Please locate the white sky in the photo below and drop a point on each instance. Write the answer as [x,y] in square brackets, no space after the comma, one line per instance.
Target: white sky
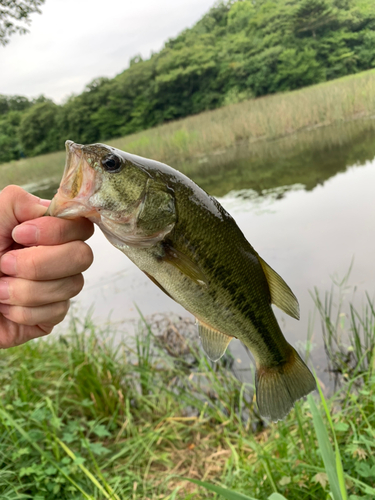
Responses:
[74,41]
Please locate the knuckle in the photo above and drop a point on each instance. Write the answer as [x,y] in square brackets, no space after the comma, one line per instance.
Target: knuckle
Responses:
[15,295]
[24,315]
[61,310]
[86,228]
[20,292]
[90,228]
[11,191]
[77,284]
[34,269]
[68,287]
[84,256]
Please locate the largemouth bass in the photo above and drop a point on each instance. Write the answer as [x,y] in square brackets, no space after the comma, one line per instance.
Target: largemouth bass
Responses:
[192,249]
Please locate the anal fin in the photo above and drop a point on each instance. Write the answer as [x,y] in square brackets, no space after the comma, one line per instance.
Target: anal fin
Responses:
[214,343]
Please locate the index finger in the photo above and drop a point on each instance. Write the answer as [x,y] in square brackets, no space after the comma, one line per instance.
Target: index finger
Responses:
[52,231]
[17,206]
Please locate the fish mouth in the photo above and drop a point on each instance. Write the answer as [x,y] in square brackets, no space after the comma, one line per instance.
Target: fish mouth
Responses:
[78,184]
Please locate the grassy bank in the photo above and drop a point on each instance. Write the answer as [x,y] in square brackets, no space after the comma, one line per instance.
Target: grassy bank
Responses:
[82,417]
[186,143]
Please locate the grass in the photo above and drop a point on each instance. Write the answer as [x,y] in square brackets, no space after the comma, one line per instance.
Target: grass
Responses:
[348,334]
[84,417]
[196,142]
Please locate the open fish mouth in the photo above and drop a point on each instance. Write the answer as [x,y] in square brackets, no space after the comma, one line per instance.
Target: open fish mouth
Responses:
[78,184]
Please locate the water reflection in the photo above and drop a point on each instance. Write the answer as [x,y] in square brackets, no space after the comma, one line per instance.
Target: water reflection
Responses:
[308,215]
[250,200]
[309,158]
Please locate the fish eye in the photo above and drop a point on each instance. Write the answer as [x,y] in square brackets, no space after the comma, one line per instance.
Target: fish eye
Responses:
[111,163]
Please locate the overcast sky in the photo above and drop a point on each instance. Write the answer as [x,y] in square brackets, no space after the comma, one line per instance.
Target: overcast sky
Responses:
[74,41]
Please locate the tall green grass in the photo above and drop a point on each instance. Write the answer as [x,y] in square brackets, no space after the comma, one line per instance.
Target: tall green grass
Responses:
[196,142]
[84,417]
[348,333]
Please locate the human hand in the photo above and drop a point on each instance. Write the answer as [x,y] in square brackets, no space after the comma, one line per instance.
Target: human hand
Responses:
[41,261]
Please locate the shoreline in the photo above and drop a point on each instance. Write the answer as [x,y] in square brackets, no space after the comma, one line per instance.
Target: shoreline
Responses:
[254,124]
[47,169]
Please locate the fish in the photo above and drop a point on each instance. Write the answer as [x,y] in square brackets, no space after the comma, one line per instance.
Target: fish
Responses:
[193,250]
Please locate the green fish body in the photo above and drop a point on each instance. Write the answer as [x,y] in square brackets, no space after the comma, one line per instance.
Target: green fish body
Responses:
[190,247]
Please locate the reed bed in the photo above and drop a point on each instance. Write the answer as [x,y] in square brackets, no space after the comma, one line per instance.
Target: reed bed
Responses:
[266,118]
[192,143]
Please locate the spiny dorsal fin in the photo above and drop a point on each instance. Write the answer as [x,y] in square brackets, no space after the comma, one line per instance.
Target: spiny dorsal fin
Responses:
[184,264]
[214,343]
[281,295]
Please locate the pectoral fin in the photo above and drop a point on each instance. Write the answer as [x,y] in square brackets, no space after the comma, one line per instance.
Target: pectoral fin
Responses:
[281,295]
[214,343]
[184,264]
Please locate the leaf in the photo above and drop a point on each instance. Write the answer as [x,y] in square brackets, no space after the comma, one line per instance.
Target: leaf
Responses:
[338,460]
[20,452]
[68,437]
[284,481]
[229,495]
[365,470]
[321,478]
[341,427]
[360,453]
[325,449]
[49,471]
[98,449]
[101,431]
[27,471]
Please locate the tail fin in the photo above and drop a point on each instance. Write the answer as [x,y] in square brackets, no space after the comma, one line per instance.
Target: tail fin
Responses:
[279,387]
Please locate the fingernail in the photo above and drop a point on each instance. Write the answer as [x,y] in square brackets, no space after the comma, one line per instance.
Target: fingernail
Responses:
[4,308]
[4,290]
[26,234]
[8,264]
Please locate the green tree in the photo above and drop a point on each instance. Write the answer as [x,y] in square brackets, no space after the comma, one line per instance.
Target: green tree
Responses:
[15,15]
[313,16]
[37,130]
[10,147]
[13,103]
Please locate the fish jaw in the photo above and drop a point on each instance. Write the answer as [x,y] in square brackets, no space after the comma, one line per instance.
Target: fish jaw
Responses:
[79,182]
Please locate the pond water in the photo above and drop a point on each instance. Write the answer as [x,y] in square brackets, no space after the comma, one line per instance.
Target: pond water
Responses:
[308,210]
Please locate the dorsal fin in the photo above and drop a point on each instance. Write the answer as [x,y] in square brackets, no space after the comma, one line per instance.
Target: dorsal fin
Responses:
[281,295]
[214,343]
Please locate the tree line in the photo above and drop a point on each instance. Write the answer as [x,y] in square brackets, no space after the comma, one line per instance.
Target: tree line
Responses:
[240,49]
